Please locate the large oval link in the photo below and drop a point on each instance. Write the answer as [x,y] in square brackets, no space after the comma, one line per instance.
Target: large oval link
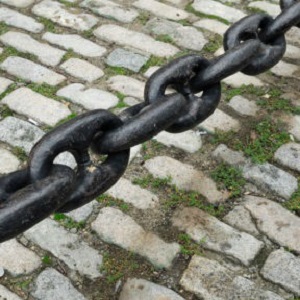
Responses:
[285,4]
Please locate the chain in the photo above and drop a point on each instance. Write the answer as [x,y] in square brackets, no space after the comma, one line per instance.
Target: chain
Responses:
[252,45]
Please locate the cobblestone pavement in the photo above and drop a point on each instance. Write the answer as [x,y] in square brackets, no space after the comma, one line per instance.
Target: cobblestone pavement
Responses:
[211,213]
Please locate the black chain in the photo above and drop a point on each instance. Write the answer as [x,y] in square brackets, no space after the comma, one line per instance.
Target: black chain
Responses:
[253,45]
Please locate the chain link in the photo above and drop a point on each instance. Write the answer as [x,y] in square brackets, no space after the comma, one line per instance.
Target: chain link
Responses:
[253,45]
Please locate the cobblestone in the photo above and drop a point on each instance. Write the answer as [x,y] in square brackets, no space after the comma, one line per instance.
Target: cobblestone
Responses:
[58,13]
[82,213]
[288,155]
[212,25]
[18,3]
[240,79]
[243,106]
[16,19]
[8,162]
[48,55]
[30,71]
[4,84]
[285,69]
[6,294]
[141,41]
[88,98]
[31,104]
[67,247]
[51,284]
[16,259]
[217,236]
[115,227]
[270,8]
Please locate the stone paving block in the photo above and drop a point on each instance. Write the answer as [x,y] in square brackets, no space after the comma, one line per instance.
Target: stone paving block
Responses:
[150,71]
[111,10]
[141,41]
[243,106]
[140,289]
[8,162]
[5,294]
[288,155]
[220,121]
[4,84]
[133,194]
[19,133]
[217,236]
[75,42]
[48,55]
[114,227]
[126,59]
[36,106]
[60,14]
[285,70]
[82,213]
[292,52]
[294,124]
[17,259]
[16,19]
[212,25]
[279,224]
[283,268]
[127,86]
[88,98]
[50,285]
[30,71]
[230,157]
[161,9]
[218,9]
[185,177]
[135,151]
[66,246]
[239,79]
[82,69]
[239,217]
[184,36]
[18,3]
[208,279]
[270,178]
[293,36]
[188,141]
[270,8]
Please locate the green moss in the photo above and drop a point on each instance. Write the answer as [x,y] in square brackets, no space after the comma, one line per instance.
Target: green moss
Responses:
[243,90]
[68,4]
[113,71]
[3,28]
[165,38]
[107,200]
[5,111]
[49,25]
[68,222]
[143,18]
[68,118]
[294,203]
[154,61]
[20,153]
[187,246]
[10,89]
[11,51]
[47,260]
[214,44]
[69,54]
[230,178]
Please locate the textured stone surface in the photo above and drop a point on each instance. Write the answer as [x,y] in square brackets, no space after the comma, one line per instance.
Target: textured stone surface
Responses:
[294,124]
[82,69]
[36,106]
[216,235]
[141,41]
[127,86]
[279,224]
[82,213]
[76,254]
[75,42]
[188,141]
[284,69]
[8,162]
[50,285]
[4,84]
[16,259]
[239,79]
[220,121]
[133,194]
[115,227]
[270,178]
[19,133]
[208,279]
[30,71]
[161,9]
[18,3]
[185,177]
[243,106]
[212,25]
[58,13]
[292,52]
[288,155]
[88,98]
[48,55]
[111,10]
[184,36]
[126,59]
[138,289]
[218,9]
[5,294]
[283,268]
[233,158]
[13,18]
[241,219]
[272,9]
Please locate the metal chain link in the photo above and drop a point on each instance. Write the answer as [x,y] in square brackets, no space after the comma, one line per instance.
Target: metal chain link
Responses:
[253,45]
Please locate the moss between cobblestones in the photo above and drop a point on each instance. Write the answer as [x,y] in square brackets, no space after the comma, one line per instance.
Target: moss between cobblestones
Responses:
[187,246]
[3,28]
[68,222]
[165,38]
[49,25]
[5,111]
[11,51]
[294,203]
[68,4]
[20,153]
[69,54]
[154,61]
[107,200]
[113,71]
[189,8]
[215,42]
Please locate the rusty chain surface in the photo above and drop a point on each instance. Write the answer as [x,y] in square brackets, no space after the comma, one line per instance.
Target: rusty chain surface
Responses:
[252,45]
